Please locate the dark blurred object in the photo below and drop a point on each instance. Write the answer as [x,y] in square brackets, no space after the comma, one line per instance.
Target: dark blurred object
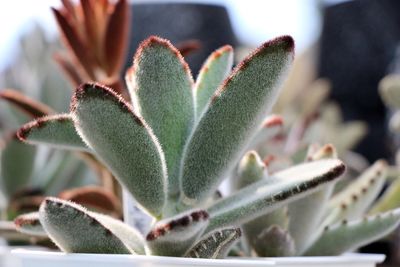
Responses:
[179,22]
[358,43]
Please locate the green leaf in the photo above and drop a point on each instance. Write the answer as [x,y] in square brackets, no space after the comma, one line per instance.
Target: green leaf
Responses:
[271,127]
[123,142]
[274,242]
[17,164]
[216,68]
[357,198]
[215,245]
[57,131]
[160,83]
[233,117]
[174,236]
[390,199]
[74,230]
[348,236]
[306,213]
[261,198]
[251,169]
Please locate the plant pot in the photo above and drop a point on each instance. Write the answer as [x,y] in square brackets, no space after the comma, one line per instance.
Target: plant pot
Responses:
[25,258]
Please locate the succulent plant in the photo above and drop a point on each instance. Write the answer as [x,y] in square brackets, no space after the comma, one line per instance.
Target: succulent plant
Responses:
[171,147]
[323,223]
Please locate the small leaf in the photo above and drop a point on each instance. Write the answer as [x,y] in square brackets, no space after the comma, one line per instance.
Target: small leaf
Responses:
[274,242]
[161,82]
[26,104]
[235,112]
[124,142]
[263,197]
[251,169]
[215,245]
[29,224]
[348,236]
[174,236]
[55,130]
[357,198]
[216,68]
[188,47]
[390,199]
[74,230]
[17,164]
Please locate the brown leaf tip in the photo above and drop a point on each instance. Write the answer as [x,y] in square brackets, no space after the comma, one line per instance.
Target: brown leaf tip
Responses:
[219,52]
[23,133]
[272,121]
[23,220]
[101,91]
[154,41]
[184,221]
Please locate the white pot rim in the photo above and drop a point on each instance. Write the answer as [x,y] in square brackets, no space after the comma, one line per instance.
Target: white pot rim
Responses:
[349,258]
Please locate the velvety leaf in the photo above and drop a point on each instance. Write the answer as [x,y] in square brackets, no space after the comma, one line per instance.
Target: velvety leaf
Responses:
[259,199]
[162,85]
[17,163]
[215,245]
[124,142]
[128,235]
[358,197]
[234,114]
[55,130]
[74,230]
[174,236]
[251,169]
[29,106]
[348,236]
[29,224]
[274,242]
[216,68]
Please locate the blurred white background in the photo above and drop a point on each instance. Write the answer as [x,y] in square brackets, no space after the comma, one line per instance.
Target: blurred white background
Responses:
[254,21]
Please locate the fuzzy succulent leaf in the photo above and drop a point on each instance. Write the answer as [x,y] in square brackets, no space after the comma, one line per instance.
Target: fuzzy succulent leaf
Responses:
[74,230]
[390,199]
[17,163]
[257,199]
[30,224]
[55,130]
[131,238]
[232,118]
[215,245]
[347,236]
[274,242]
[216,68]
[306,213]
[160,83]
[174,236]
[124,143]
[357,198]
